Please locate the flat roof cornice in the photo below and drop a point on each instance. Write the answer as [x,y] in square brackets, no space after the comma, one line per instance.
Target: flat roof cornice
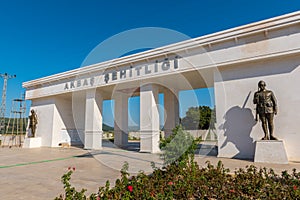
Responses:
[233,33]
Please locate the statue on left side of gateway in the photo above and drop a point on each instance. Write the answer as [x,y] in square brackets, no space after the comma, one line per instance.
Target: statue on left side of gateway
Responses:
[32,123]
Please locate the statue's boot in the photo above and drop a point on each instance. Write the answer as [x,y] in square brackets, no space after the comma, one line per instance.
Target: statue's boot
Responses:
[265,138]
[272,137]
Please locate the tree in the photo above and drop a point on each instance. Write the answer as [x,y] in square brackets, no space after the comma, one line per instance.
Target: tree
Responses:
[202,117]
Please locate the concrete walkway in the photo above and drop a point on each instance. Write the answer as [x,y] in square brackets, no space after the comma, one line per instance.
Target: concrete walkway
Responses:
[36,173]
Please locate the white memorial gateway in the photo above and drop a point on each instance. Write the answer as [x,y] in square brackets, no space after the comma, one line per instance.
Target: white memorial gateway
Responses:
[231,61]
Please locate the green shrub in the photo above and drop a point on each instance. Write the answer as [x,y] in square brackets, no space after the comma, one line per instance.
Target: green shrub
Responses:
[179,147]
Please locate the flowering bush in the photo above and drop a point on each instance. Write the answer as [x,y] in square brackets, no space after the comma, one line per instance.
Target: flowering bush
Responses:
[70,192]
[211,182]
[185,179]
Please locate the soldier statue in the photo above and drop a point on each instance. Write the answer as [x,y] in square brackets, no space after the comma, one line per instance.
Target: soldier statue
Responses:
[266,107]
[33,122]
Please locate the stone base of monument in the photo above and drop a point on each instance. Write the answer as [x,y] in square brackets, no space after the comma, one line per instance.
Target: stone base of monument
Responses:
[270,151]
[32,142]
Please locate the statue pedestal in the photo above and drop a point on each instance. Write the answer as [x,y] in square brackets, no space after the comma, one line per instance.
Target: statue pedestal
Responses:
[270,151]
[32,142]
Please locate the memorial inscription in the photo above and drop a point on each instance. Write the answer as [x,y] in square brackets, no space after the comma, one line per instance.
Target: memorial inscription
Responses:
[128,72]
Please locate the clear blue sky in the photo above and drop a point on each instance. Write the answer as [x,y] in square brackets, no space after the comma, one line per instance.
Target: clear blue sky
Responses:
[41,38]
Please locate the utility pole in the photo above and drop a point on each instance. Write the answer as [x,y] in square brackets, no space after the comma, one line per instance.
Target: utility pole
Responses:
[3,104]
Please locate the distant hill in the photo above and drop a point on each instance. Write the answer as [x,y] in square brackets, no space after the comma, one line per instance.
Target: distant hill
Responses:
[107,128]
[137,128]
[133,128]
[13,124]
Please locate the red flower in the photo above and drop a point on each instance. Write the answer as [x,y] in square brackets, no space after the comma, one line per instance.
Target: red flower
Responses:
[69,168]
[98,198]
[130,188]
[232,191]
[295,187]
[170,183]
[73,168]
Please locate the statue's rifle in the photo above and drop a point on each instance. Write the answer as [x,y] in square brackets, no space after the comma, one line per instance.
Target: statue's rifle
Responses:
[256,109]
[256,114]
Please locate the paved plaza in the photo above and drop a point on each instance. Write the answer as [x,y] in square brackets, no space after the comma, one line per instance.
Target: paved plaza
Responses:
[36,173]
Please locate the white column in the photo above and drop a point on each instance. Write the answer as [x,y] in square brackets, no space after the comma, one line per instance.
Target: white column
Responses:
[149,119]
[171,105]
[121,120]
[78,112]
[93,120]
[62,120]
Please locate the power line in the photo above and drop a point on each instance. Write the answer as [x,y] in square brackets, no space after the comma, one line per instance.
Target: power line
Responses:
[3,104]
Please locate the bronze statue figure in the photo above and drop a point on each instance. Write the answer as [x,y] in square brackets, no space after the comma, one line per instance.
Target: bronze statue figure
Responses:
[266,107]
[32,122]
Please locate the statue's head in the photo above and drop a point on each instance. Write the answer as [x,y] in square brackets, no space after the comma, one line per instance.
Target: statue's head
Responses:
[262,84]
[32,111]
